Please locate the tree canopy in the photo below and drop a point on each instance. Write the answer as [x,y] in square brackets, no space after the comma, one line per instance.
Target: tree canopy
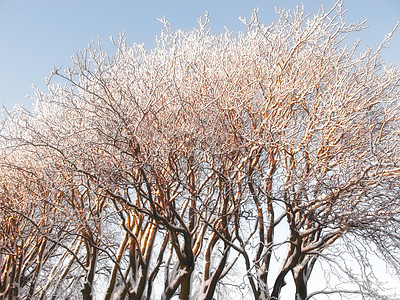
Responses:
[210,166]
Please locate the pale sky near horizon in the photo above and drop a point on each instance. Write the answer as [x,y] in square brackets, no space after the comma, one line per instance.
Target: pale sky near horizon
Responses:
[37,35]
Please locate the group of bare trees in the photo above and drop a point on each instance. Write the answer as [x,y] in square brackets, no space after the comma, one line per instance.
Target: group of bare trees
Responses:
[210,166]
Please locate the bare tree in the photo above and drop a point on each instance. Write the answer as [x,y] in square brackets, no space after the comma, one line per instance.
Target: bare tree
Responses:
[209,165]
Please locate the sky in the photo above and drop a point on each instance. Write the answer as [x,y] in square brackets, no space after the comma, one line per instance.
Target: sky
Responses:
[37,35]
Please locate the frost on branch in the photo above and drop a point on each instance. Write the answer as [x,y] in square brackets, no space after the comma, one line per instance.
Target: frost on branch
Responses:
[209,165]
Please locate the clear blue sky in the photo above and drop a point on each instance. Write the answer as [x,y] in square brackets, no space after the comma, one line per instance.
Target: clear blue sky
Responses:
[39,34]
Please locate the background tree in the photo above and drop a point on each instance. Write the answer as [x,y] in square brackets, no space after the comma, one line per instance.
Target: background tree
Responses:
[237,163]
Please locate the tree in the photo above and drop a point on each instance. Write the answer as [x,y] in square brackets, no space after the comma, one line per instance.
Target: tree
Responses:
[237,163]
